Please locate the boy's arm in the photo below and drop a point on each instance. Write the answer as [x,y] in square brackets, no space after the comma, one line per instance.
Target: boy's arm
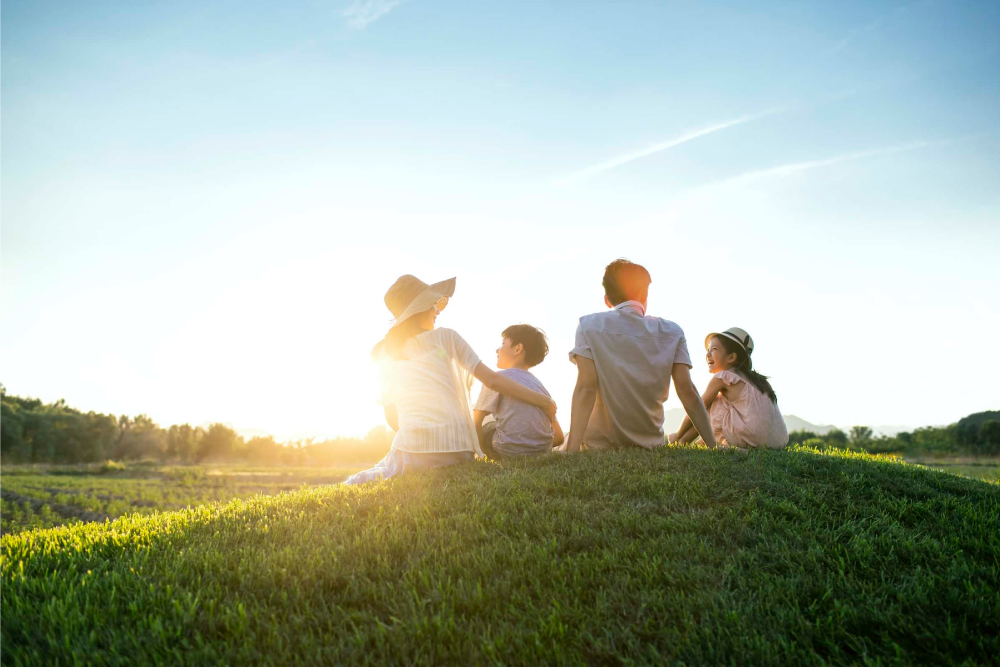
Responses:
[504,385]
[584,397]
[692,402]
[478,416]
[557,433]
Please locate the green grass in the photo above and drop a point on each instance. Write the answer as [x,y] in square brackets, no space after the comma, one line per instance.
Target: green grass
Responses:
[990,473]
[139,489]
[684,554]
[15,517]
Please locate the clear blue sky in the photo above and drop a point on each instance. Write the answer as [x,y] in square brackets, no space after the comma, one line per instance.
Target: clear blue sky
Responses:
[203,202]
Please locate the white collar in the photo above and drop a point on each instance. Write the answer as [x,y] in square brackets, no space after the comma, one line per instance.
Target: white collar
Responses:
[632,304]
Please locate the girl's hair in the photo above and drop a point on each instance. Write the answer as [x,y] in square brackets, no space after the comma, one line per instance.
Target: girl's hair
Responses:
[392,345]
[745,367]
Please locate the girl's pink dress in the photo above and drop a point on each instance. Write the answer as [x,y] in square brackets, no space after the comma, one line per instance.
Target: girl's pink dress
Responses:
[752,421]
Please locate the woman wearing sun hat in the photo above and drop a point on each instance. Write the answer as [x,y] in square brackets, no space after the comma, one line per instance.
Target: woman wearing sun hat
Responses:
[741,404]
[426,374]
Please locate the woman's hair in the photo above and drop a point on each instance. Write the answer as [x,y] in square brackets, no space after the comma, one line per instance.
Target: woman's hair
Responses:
[392,345]
[745,367]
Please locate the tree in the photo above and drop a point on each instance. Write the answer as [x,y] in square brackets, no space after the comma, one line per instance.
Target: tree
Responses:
[182,443]
[836,437]
[799,437]
[860,435]
[263,450]
[967,432]
[989,437]
[220,442]
[139,438]
[12,444]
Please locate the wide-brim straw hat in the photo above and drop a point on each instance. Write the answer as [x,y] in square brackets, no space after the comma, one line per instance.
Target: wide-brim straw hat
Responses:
[409,295]
[741,337]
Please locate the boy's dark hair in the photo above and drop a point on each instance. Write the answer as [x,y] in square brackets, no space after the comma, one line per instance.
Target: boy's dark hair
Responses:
[626,281]
[535,344]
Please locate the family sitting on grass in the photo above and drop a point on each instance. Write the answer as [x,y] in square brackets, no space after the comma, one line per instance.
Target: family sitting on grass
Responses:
[625,363]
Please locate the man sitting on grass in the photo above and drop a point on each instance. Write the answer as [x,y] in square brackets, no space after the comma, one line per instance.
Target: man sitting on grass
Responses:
[625,360]
[517,428]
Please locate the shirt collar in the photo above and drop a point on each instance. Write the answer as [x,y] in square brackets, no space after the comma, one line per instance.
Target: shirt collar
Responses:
[637,305]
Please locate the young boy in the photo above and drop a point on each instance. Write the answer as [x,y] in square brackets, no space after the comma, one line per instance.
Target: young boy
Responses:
[518,428]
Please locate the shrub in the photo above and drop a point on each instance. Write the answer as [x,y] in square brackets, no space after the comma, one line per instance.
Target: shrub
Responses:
[110,466]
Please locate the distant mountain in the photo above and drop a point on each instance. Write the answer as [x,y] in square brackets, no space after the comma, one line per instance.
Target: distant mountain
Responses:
[793,423]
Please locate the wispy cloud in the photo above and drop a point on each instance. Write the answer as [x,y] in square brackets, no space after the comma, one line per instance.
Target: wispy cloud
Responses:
[364,12]
[593,170]
[796,167]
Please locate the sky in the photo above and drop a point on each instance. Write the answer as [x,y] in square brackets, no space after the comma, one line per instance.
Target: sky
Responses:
[203,203]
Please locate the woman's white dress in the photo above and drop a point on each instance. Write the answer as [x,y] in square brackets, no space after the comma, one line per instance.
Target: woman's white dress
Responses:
[430,389]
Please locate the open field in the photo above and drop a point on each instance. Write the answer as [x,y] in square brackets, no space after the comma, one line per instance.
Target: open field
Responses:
[47,496]
[792,557]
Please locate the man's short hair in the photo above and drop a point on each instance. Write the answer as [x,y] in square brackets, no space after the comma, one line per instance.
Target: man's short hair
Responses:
[535,344]
[626,281]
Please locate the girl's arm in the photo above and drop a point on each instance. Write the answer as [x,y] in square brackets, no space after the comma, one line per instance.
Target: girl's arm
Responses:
[714,387]
[507,387]
[690,436]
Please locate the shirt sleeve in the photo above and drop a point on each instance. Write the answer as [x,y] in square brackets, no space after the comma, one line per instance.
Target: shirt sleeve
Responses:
[464,354]
[488,401]
[682,356]
[581,347]
[729,377]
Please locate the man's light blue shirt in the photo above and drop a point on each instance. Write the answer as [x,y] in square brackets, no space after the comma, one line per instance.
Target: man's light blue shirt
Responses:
[634,355]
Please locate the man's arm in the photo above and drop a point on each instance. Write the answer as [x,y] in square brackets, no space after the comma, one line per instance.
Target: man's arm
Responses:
[686,432]
[692,402]
[584,397]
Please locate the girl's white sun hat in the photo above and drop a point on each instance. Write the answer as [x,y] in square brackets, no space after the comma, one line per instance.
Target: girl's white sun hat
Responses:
[409,295]
[735,334]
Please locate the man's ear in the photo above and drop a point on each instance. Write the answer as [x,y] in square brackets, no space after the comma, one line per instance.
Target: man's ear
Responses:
[607,302]
[518,349]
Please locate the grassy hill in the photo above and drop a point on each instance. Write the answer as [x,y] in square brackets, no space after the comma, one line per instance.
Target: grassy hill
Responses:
[682,554]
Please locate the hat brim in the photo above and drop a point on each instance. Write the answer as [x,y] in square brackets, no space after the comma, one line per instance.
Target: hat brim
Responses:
[444,288]
[426,299]
[730,336]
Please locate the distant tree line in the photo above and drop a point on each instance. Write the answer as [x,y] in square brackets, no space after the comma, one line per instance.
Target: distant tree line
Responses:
[35,432]
[975,435]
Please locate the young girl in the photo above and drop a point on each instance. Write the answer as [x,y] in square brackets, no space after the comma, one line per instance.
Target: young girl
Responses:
[426,376]
[742,406]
